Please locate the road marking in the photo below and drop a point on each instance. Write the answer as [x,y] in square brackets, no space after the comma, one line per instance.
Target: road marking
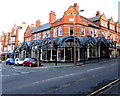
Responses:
[17,67]
[96,68]
[103,88]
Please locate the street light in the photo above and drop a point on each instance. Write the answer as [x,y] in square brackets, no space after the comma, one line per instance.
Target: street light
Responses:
[75,38]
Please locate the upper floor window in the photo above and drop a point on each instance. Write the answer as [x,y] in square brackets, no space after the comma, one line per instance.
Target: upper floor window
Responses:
[83,31]
[39,37]
[117,29]
[104,23]
[111,36]
[95,33]
[103,34]
[112,27]
[44,35]
[91,31]
[71,30]
[48,33]
[60,31]
[55,32]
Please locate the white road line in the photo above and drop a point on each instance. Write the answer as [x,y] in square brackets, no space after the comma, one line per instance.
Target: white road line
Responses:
[96,68]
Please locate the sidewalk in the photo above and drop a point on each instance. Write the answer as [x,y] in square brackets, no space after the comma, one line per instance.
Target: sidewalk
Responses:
[60,65]
[65,65]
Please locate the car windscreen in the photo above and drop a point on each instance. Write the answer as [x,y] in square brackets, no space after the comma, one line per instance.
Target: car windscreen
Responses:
[26,59]
[32,59]
[11,59]
[20,59]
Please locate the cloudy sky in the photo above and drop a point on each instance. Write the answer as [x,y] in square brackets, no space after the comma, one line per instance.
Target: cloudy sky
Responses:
[17,11]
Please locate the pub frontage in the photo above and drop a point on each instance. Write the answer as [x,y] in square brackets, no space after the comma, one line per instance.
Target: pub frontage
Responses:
[51,49]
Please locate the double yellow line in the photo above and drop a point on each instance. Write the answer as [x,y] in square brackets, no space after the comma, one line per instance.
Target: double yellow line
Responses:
[103,88]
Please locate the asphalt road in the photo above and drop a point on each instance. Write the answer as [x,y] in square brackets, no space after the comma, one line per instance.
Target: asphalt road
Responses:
[71,80]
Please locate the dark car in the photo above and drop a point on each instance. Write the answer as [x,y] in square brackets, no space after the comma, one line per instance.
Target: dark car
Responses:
[10,61]
[31,62]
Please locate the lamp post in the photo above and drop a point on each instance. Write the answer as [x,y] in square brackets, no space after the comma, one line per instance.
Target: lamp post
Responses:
[75,37]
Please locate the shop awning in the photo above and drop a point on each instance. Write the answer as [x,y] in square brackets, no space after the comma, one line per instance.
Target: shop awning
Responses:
[80,41]
[91,40]
[101,40]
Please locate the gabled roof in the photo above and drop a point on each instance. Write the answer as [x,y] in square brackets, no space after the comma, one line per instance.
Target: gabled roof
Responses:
[91,23]
[33,28]
[95,18]
[43,27]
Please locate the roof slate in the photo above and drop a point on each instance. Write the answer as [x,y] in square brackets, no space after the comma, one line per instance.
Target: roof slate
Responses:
[95,18]
[43,27]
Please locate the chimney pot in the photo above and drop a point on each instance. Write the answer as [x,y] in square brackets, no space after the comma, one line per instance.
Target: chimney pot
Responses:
[98,13]
[38,23]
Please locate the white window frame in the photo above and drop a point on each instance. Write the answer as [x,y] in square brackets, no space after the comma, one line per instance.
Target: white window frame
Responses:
[44,34]
[83,29]
[95,32]
[59,31]
[55,32]
[48,33]
[103,33]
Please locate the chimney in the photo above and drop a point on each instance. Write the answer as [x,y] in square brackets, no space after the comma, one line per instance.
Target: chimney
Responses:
[52,17]
[38,23]
[32,25]
[23,24]
[97,13]
[76,6]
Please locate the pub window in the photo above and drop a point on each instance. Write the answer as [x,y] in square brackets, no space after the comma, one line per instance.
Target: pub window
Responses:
[83,31]
[44,35]
[91,31]
[95,33]
[60,31]
[55,32]
[48,33]
[102,33]
[71,30]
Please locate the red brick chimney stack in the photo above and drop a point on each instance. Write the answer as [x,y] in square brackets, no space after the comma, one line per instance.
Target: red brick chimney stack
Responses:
[98,13]
[52,17]
[38,23]
[32,25]
[76,6]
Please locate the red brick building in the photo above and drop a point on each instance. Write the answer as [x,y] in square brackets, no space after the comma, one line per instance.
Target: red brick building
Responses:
[71,24]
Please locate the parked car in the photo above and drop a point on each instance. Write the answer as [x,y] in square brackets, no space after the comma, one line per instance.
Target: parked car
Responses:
[19,61]
[10,61]
[31,62]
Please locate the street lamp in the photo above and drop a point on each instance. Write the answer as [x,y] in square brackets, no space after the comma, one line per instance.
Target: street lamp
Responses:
[75,38]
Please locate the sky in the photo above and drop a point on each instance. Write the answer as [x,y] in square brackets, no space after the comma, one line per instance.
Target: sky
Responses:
[16,11]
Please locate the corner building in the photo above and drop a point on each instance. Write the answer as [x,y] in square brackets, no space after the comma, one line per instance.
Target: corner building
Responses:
[96,37]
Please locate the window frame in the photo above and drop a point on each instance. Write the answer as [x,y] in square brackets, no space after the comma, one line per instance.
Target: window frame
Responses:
[83,29]
[59,31]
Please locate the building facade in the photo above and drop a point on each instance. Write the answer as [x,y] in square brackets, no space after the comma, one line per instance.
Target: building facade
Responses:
[96,37]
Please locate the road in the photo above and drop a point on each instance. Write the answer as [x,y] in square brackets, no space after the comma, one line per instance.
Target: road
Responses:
[71,80]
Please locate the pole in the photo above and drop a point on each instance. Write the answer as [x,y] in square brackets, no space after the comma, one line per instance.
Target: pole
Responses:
[74,43]
[74,50]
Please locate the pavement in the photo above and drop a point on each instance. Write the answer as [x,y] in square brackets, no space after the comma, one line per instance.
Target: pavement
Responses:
[64,65]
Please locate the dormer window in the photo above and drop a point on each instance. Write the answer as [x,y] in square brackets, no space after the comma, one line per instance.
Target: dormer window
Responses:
[104,23]
[112,27]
